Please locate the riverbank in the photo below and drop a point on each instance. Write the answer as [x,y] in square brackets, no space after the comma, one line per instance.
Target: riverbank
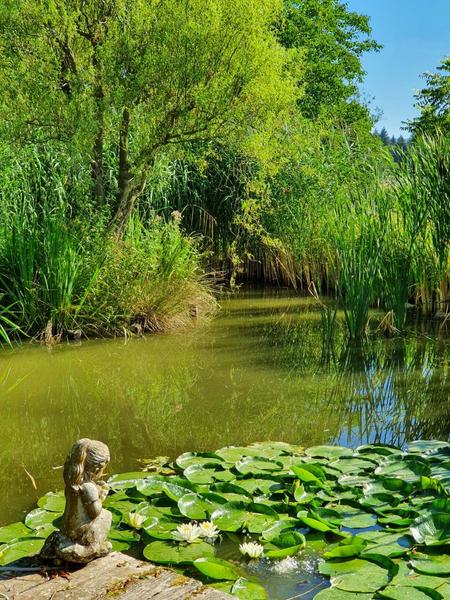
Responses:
[63,280]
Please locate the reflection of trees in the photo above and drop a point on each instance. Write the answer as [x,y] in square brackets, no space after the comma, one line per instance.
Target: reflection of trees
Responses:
[244,378]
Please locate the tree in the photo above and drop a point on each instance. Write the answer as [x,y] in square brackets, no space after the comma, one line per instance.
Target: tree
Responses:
[333,39]
[134,78]
[433,102]
[384,136]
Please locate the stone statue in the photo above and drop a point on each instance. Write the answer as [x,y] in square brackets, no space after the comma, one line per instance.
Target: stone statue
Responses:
[85,523]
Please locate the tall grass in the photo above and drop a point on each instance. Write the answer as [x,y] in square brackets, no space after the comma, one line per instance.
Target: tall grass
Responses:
[343,216]
[62,271]
[358,235]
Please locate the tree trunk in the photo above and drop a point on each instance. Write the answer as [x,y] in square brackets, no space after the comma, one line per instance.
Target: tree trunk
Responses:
[130,187]
[97,153]
[97,168]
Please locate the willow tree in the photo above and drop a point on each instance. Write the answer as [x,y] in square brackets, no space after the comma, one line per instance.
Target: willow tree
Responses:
[135,78]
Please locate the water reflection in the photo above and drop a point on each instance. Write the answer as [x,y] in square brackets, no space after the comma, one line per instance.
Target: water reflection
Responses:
[259,371]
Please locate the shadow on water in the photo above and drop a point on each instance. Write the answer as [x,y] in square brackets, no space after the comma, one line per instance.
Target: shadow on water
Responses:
[259,371]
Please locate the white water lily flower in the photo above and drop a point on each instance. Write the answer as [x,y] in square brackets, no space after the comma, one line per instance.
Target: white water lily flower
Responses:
[208,530]
[287,565]
[251,549]
[136,520]
[187,532]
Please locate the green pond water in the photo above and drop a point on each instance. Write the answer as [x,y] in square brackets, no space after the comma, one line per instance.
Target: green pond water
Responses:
[258,371]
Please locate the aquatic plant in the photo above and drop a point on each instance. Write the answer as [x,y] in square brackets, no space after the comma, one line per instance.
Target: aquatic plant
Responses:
[378,515]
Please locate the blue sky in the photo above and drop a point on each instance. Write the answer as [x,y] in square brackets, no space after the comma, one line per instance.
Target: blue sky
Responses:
[416,37]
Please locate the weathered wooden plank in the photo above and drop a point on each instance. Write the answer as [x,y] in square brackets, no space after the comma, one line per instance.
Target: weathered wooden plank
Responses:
[116,575]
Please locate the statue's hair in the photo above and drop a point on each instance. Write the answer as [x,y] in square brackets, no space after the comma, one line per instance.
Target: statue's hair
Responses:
[84,451]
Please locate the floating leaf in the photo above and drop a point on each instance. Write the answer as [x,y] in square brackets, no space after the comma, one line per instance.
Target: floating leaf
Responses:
[123,481]
[431,564]
[53,502]
[336,594]
[166,553]
[331,452]
[15,551]
[197,506]
[243,589]
[197,458]
[255,466]
[432,529]
[407,469]
[369,578]
[216,568]
[207,473]
[160,528]
[236,515]
[347,548]
[14,532]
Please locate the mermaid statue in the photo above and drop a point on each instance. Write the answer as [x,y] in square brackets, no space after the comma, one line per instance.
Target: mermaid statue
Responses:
[85,523]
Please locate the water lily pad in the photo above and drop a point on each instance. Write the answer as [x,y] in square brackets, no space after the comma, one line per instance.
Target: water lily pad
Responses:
[160,528]
[39,519]
[287,543]
[14,532]
[207,473]
[53,502]
[232,454]
[122,481]
[255,466]
[432,529]
[347,548]
[369,578]
[316,524]
[431,564]
[234,516]
[406,469]
[353,465]
[176,492]
[333,569]
[410,593]
[124,535]
[164,552]
[197,506]
[336,594]
[278,527]
[309,474]
[243,589]
[427,446]
[15,551]
[265,486]
[331,452]
[197,458]
[151,486]
[216,568]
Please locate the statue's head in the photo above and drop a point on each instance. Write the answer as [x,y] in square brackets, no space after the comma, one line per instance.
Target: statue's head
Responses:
[86,462]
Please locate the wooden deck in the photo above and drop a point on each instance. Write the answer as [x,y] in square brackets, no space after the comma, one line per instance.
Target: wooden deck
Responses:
[115,576]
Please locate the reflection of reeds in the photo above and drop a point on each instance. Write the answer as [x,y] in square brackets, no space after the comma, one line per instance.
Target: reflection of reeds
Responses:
[397,391]
[245,377]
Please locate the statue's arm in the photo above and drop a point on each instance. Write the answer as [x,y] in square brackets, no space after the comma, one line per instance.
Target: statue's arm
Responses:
[91,499]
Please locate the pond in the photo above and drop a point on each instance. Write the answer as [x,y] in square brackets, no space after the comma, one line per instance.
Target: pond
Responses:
[258,371]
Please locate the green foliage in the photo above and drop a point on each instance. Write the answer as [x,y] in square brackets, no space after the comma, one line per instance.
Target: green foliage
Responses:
[433,102]
[333,39]
[61,270]
[377,559]
[144,76]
